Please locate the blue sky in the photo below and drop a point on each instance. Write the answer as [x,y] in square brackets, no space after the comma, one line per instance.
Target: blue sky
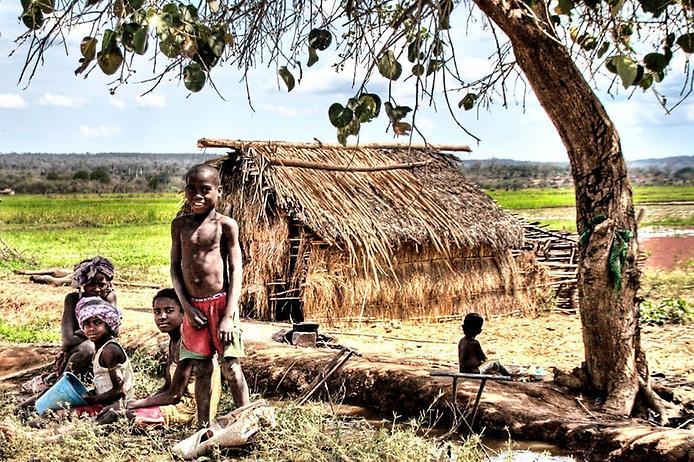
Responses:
[61,112]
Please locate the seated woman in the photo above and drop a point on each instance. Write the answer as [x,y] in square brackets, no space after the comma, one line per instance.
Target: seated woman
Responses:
[92,278]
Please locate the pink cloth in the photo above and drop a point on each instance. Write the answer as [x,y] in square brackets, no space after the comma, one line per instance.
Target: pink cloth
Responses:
[88,307]
[205,341]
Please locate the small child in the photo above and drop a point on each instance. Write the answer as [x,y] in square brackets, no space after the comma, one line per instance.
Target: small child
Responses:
[470,354]
[92,277]
[113,374]
[206,274]
[174,403]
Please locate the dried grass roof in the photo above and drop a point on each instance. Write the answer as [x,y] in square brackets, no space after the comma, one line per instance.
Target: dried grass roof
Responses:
[376,211]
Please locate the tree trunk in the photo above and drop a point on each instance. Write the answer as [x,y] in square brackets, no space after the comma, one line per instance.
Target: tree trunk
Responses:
[615,362]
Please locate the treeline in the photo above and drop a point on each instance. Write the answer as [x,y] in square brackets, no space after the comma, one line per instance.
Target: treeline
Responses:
[95,173]
[137,172]
[513,175]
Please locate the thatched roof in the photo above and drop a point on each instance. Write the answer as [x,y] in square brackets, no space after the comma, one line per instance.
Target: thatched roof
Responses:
[413,194]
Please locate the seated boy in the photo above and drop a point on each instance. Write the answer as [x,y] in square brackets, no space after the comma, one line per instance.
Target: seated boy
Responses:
[470,354]
[174,402]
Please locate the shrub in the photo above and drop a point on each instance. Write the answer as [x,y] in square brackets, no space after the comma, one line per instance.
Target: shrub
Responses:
[101,175]
[672,310]
[81,175]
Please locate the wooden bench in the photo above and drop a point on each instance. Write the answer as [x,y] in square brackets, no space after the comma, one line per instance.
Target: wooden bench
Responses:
[464,375]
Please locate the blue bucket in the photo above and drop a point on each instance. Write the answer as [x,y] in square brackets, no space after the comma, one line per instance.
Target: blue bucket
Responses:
[67,391]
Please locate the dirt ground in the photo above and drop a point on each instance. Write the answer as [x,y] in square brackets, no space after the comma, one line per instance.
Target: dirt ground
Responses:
[550,340]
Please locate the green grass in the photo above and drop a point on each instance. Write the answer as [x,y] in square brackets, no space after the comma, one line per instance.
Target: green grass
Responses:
[133,230]
[18,212]
[564,197]
[28,333]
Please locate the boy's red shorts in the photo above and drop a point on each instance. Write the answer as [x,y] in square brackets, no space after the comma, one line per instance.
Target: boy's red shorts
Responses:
[204,342]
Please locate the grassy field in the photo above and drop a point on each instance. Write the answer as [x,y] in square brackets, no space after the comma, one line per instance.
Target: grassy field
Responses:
[564,197]
[133,229]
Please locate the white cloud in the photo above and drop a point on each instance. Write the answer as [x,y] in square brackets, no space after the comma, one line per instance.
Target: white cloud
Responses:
[102,131]
[50,99]
[117,103]
[150,101]
[277,109]
[11,101]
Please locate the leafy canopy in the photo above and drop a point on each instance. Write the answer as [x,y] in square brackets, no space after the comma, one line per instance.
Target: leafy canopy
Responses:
[633,41]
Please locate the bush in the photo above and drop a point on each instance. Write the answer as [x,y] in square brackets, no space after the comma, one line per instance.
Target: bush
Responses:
[672,310]
[101,175]
[81,175]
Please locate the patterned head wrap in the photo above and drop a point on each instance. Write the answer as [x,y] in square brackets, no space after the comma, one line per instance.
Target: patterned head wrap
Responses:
[86,270]
[88,307]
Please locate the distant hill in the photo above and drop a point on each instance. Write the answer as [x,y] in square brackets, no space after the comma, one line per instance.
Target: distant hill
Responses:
[45,173]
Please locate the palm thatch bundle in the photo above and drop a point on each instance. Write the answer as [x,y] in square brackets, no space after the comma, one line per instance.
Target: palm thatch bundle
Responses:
[368,231]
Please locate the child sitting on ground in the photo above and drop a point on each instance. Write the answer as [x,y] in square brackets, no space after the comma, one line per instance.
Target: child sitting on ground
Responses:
[92,278]
[470,354]
[113,374]
[174,403]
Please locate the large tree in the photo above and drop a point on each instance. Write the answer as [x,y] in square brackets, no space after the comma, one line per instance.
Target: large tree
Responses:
[631,42]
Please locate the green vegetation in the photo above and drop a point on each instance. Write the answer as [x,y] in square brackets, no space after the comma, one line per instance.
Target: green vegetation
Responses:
[672,310]
[29,333]
[133,230]
[564,197]
[303,433]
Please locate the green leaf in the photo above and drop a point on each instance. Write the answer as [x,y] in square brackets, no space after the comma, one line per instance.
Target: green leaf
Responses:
[627,69]
[418,70]
[616,7]
[646,82]
[603,49]
[320,39]
[655,7]
[368,108]
[169,47]
[135,4]
[213,5]
[194,77]
[396,113]
[353,127]
[88,48]
[110,60]
[437,47]
[25,5]
[686,42]
[389,67]
[33,18]
[655,62]
[339,115]
[434,65]
[413,52]
[287,77]
[468,101]
[312,57]
[140,41]
[134,38]
[564,7]
[46,6]
[108,42]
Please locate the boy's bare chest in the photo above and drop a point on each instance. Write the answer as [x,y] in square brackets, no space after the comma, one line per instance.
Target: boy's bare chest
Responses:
[202,236]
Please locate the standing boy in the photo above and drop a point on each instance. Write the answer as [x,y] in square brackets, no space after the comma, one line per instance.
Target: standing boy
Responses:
[206,274]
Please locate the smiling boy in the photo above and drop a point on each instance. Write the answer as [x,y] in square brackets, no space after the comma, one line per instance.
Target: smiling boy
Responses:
[206,274]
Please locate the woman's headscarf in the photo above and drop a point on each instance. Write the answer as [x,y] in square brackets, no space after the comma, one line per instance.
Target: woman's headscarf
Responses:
[88,307]
[86,270]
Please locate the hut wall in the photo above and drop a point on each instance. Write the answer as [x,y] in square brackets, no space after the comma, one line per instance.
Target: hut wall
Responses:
[424,285]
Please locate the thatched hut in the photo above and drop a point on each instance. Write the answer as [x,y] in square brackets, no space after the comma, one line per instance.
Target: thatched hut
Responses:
[333,232]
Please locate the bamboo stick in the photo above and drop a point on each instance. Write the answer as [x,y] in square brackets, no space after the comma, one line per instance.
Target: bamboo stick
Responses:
[237,144]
